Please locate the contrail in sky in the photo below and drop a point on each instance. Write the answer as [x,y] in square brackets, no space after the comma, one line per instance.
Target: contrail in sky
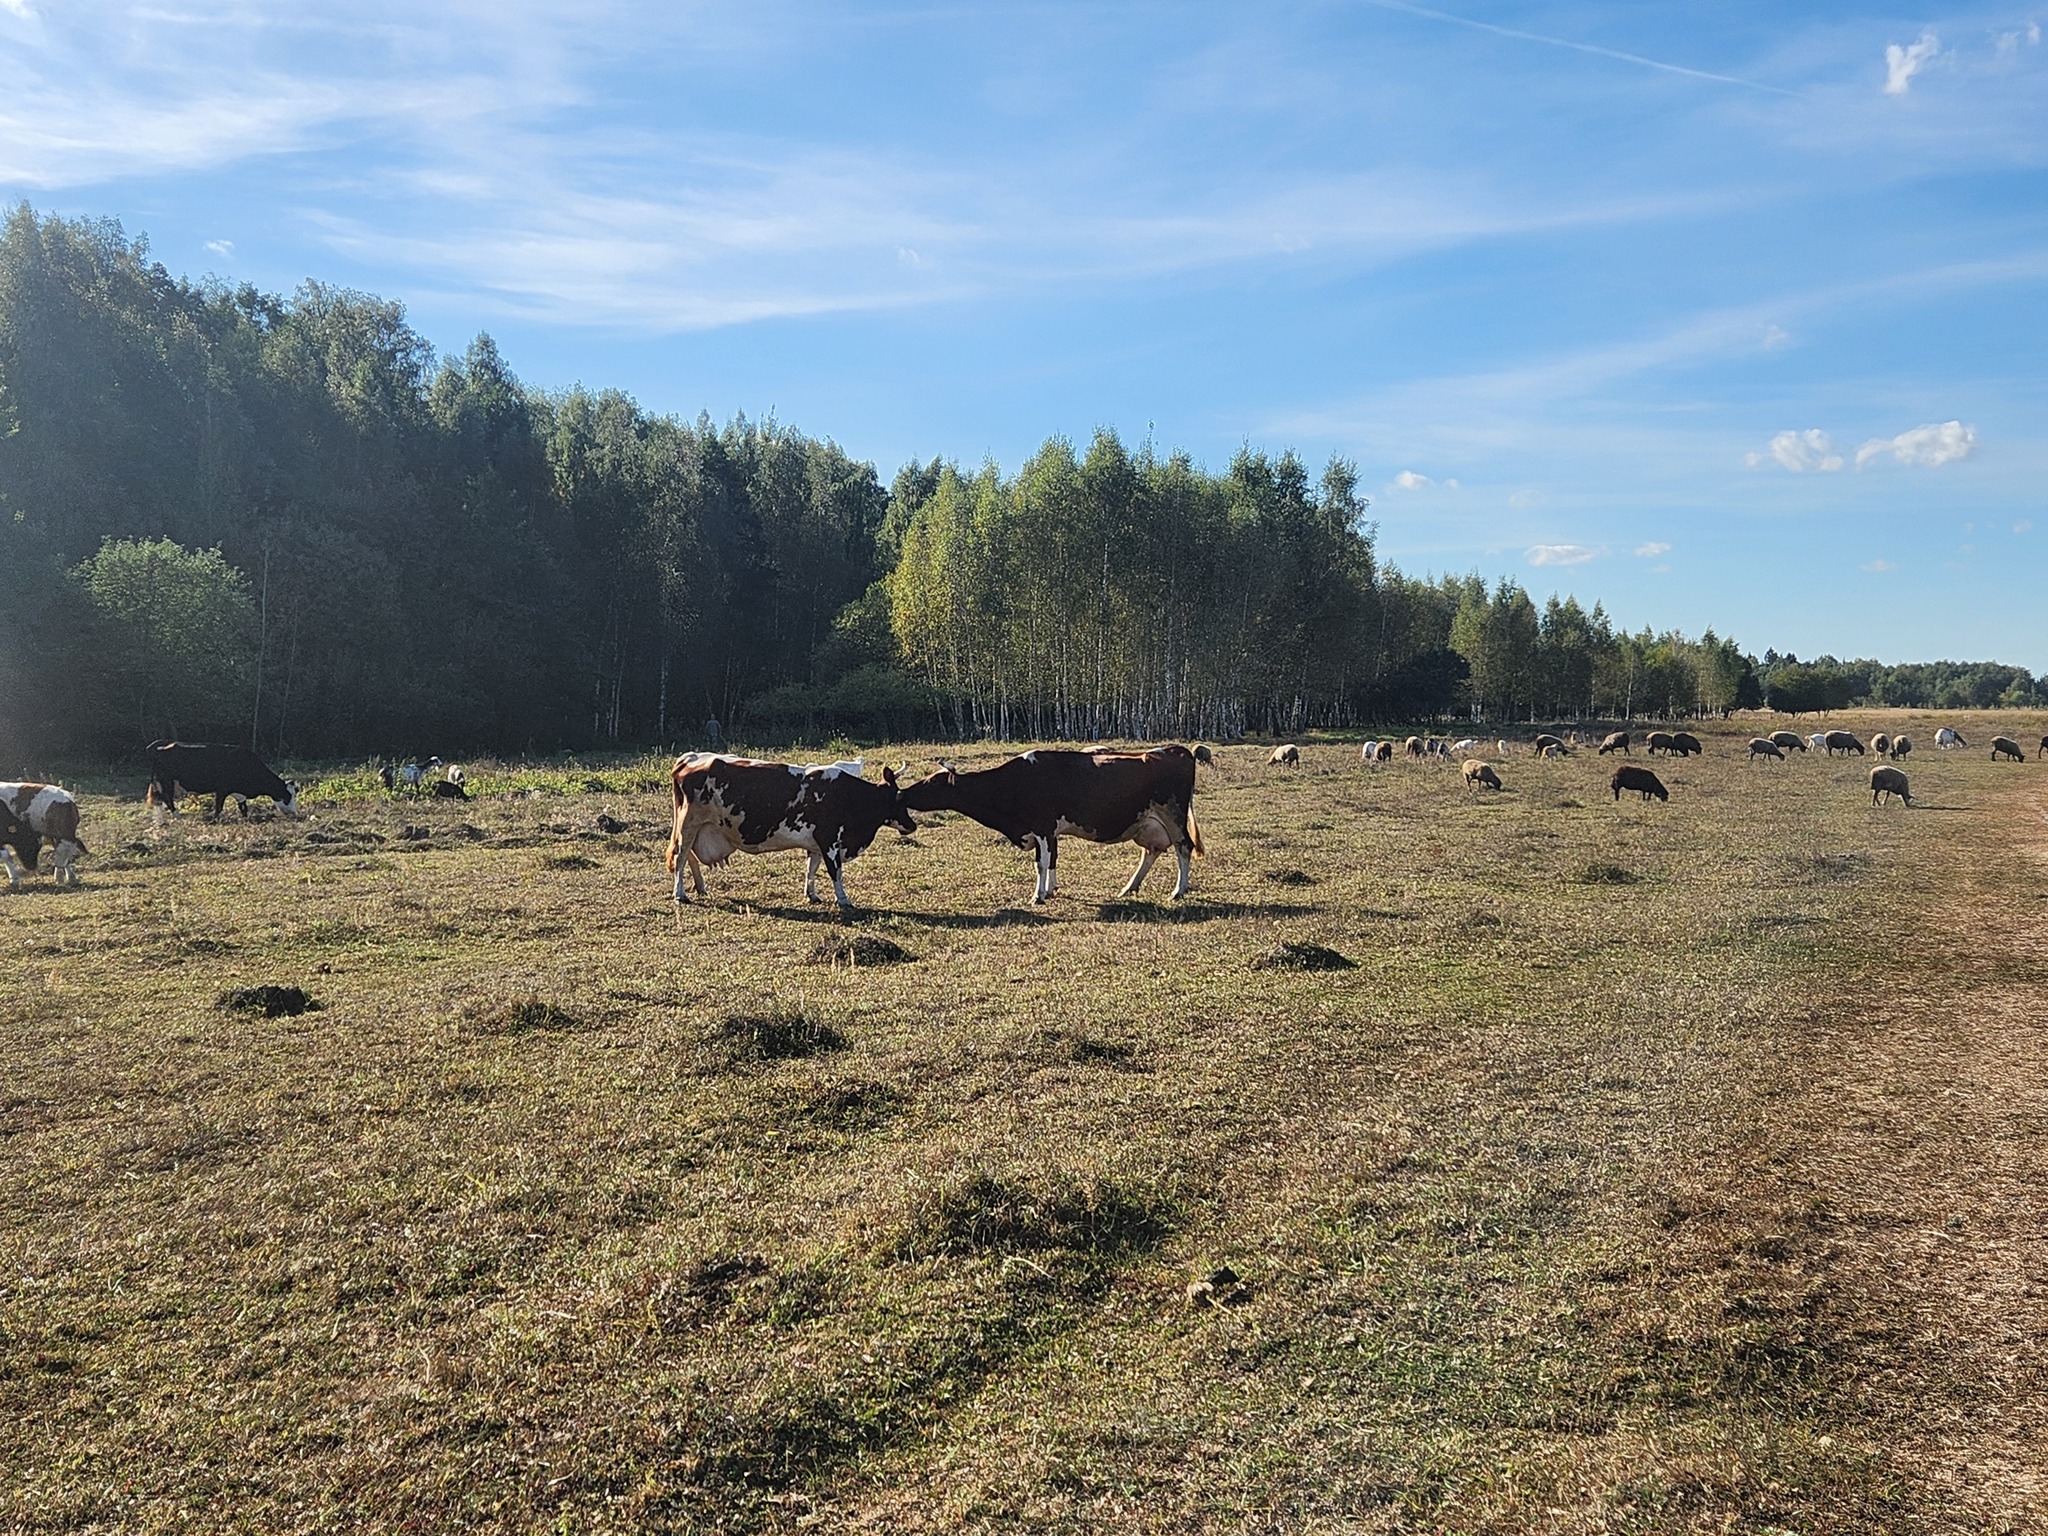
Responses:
[1565,42]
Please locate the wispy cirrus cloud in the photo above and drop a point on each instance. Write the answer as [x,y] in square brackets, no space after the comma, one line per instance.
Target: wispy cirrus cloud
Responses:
[1902,63]
[1805,452]
[1561,554]
[1927,447]
[1651,550]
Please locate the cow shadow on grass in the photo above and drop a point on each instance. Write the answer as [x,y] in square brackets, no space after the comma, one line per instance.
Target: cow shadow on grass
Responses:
[831,917]
[1198,911]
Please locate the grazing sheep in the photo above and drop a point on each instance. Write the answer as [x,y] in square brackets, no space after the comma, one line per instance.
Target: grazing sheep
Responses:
[1888,781]
[1880,745]
[1386,752]
[1842,741]
[1503,747]
[1946,738]
[1901,745]
[1466,745]
[1817,741]
[1478,774]
[2005,746]
[2044,749]
[1688,744]
[1204,756]
[1369,752]
[1287,754]
[1614,741]
[1412,746]
[1791,741]
[1547,741]
[1764,747]
[1660,741]
[1629,776]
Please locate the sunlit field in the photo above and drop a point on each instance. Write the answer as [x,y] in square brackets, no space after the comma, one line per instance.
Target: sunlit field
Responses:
[1634,1167]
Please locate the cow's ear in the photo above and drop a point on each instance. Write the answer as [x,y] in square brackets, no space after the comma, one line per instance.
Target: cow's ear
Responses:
[889,777]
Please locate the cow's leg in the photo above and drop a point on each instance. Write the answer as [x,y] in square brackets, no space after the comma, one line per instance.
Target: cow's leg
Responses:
[836,867]
[811,877]
[1144,869]
[697,871]
[1186,857]
[242,806]
[13,867]
[66,858]
[1052,865]
[1043,889]
[682,878]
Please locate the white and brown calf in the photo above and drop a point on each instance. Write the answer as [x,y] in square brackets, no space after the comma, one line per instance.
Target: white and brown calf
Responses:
[30,815]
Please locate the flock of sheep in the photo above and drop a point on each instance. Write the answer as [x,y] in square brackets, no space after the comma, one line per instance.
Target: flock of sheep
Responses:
[1886,781]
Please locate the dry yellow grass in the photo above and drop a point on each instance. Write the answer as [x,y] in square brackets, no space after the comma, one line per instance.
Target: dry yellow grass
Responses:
[1655,1168]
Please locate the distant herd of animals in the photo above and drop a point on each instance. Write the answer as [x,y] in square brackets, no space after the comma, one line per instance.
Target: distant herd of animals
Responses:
[832,812]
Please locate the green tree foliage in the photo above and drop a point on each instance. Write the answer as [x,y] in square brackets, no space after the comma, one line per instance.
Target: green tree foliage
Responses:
[168,642]
[385,550]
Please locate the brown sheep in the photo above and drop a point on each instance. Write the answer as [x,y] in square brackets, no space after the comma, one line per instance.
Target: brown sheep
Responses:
[1688,745]
[1481,775]
[1888,781]
[1901,745]
[1628,776]
[1204,756]
[1791,741]
[1842,741]
[1880,745]
[1384,753]
[1615,741]
[1412,746]
[1660,741]
[1763,747]
[2044,748]
[2005,746]
[1287,754]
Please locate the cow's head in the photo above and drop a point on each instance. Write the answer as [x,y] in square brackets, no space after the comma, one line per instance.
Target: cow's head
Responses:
[899,813]
[291,798]
[936,791]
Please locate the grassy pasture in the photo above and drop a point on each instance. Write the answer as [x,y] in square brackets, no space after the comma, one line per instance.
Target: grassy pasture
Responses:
[1589,1196]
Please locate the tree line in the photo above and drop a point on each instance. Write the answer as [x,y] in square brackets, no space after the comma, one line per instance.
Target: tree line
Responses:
[235,515]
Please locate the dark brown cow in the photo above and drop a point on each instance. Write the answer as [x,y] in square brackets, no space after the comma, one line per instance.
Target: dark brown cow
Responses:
[728,805]
[205,769]
[1145,798]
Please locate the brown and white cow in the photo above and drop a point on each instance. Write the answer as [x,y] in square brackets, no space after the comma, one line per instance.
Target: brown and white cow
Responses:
[30,814]
[727,805]
[1145,798]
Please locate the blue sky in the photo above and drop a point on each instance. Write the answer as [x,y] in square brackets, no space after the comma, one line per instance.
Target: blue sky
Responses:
[1723,315]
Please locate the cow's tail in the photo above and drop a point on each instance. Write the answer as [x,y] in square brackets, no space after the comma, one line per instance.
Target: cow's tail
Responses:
[1194,831]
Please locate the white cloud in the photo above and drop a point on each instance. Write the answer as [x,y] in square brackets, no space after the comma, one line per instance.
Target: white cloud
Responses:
[2030,34]
[1800,452]
[1877,567]
[1652,551]
[1934,444]
[1560,554]
[1525,498]
[221,248]
[1902,64]
[1452,485]
[1776,337]
[2024,525]
[18,7]
[1408,480]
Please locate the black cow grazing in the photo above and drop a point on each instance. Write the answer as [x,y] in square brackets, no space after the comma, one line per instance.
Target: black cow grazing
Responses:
[1614,741]
[1145,798]
[1686,744]
[1629,776]
[212,770]
[728,805]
